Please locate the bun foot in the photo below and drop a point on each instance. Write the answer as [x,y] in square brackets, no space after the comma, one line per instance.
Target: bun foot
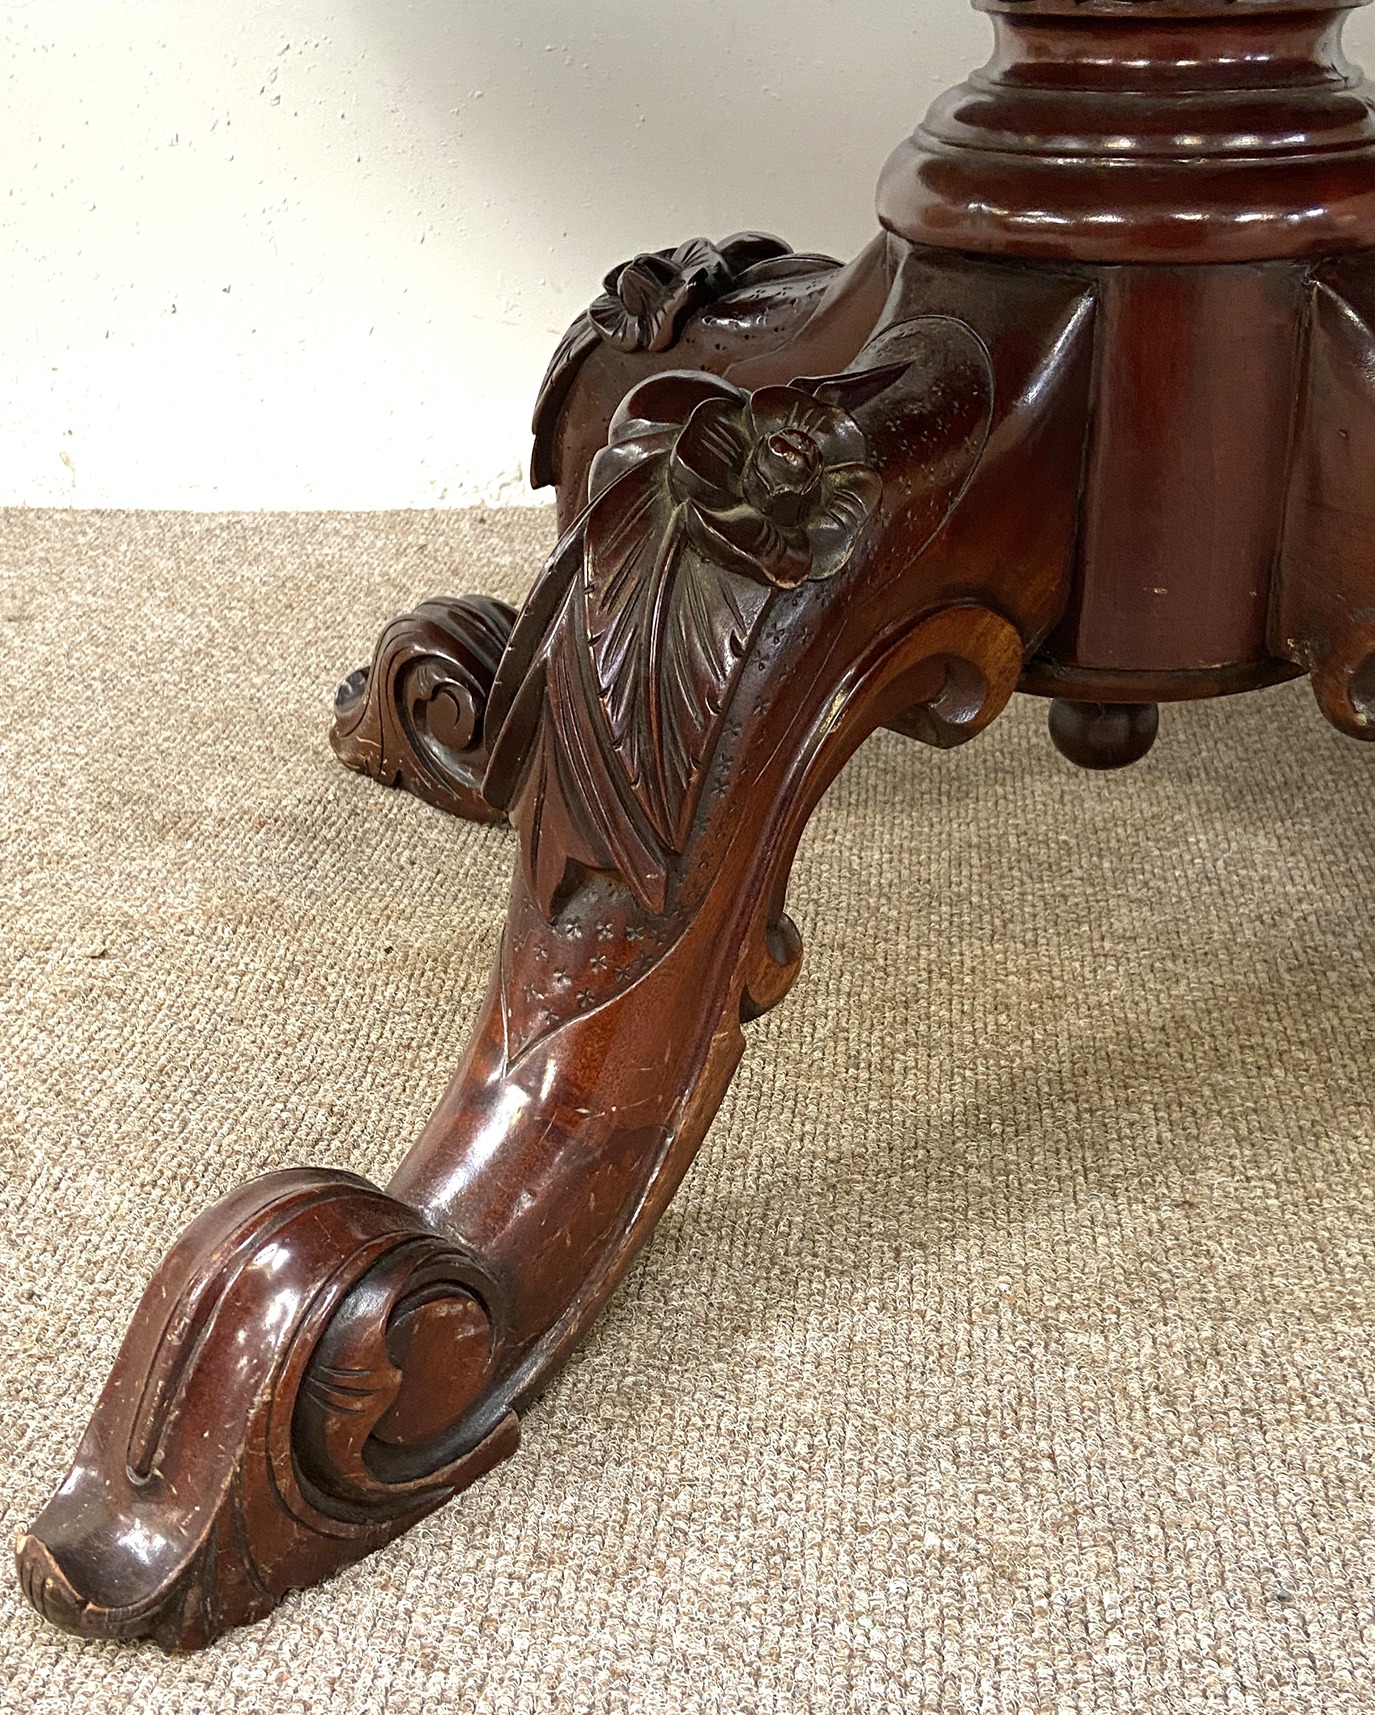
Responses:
[1104,736]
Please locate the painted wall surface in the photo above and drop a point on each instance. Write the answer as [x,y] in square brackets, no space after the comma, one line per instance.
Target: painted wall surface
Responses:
[316,254]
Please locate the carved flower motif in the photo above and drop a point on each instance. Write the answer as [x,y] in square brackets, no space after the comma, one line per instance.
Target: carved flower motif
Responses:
[648,299]
[775,484]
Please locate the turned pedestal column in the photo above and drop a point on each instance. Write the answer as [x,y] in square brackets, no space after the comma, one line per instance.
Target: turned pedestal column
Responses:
[1093,417]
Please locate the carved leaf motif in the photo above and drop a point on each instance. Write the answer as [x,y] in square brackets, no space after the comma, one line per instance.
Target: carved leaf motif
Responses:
[608,737]
[705,502]
[666,631]
[613,696]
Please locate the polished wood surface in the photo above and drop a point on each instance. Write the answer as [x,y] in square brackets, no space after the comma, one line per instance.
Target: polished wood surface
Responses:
[1181,131]
[1094,416]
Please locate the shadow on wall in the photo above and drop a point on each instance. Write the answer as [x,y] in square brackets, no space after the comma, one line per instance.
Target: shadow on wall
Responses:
[706,113]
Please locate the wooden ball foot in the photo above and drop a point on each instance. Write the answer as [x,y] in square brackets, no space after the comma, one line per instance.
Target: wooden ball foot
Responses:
[1103,736]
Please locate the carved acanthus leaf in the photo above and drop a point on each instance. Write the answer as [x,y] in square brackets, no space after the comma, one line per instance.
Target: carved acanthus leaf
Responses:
[705,500]
[666,631]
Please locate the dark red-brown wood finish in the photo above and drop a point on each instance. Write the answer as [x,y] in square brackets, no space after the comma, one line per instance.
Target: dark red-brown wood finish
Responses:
[1094,415]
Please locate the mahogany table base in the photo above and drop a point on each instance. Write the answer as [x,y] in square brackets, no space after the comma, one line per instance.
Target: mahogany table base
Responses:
[1094,416]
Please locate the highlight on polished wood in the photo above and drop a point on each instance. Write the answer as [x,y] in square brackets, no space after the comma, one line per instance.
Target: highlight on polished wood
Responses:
[1092,417]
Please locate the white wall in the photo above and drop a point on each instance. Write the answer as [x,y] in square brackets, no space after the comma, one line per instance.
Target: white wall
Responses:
[315,254]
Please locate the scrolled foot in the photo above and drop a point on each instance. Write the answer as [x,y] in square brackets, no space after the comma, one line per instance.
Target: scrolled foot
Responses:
[293,1393]
[1344,683]
[416,717]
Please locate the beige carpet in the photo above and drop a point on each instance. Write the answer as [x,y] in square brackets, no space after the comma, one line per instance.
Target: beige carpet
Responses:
[1009,1348]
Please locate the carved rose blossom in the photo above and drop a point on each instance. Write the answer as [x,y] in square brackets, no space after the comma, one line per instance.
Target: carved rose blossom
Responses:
[647,306]
[775,484]
[648,299]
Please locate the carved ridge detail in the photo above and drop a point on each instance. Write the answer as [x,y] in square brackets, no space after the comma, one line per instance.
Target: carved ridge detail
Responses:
[1323,618]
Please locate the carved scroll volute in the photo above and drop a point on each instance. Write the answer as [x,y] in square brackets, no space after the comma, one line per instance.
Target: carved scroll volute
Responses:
[1324,618]
[417,716]
[292,1393]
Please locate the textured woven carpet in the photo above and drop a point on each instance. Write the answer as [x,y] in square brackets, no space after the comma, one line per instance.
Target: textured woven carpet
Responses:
[1007,1350]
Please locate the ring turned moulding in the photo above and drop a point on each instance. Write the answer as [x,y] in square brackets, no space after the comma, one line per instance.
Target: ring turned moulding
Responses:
[1093,417]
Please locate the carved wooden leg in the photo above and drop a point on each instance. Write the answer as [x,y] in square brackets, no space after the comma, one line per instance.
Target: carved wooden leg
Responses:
[761,578]
[1324,616]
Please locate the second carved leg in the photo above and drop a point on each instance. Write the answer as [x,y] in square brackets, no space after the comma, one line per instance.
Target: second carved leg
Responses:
[761,578]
